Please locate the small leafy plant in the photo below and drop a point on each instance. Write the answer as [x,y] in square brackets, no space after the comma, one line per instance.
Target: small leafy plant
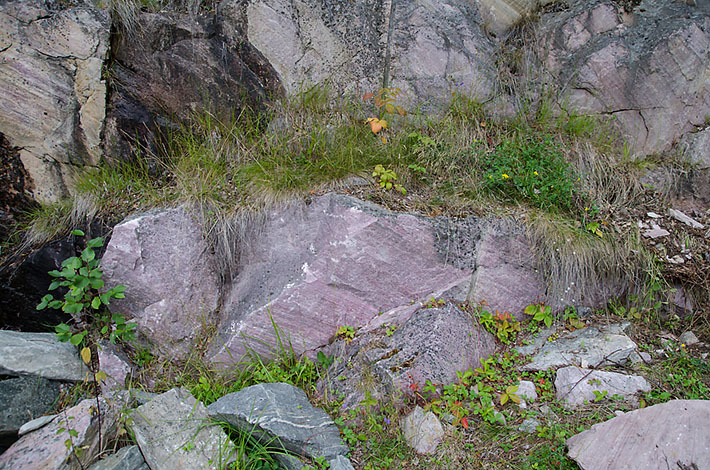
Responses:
[540,313]
[81,276]
[387,178]
[503,325]
[345,332]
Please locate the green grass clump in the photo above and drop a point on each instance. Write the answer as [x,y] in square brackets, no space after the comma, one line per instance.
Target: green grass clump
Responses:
[530,169]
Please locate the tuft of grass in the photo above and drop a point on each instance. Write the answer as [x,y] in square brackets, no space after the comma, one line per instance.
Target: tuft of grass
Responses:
[575,260]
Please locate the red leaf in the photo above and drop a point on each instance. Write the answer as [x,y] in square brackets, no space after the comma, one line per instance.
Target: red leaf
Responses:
[367,96]
[464,423]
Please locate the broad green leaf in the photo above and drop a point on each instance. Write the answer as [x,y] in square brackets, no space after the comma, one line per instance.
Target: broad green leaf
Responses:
[81,282]
[73,433]
[504,399]
[84,271]
[88,254]
[95,303]
[77,338]
[77,232]
[105,298]
[73,308]
[55,273]
[95,242]
[97,283]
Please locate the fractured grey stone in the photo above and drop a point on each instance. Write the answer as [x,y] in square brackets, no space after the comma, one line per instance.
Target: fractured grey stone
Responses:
[280,415]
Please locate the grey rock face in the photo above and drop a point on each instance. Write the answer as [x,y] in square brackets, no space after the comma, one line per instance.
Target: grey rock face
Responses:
[39,354]
[52,96]
[281,415]
[127,458]
[341,463]
[433,45]
[439,47]
[433,345]
[173,431]
[45,448]
[588,347]
[672,434]
[646,69]
[169,272]
[337,261]
[696,148]
[22,399]
[575,386]
[422,431]
[174,65]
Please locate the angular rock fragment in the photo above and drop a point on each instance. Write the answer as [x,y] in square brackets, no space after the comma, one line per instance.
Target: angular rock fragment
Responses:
[589,346]
[422,431]
[433,345]
[173,431]
[127,458]
[280,415]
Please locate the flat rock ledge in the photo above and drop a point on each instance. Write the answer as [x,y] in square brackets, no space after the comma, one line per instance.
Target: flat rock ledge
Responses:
[669,435]
[281,415]
[39,354]
[576,386]
[588,347]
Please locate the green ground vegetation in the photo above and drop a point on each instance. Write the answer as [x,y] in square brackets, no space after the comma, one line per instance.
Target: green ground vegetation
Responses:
[566,176]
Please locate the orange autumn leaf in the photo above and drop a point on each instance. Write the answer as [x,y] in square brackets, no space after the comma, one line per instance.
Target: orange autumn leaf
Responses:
[377,124]
[367,96]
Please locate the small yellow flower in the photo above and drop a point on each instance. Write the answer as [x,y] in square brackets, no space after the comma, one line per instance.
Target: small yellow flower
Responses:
[586,208]
[490,177]
[682,345]
[535,172]
[505,177]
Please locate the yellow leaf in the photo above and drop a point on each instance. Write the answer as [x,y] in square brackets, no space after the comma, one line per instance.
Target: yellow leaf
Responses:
[100,375]
[389,107]
[401,111]
[384,139]
[86,355]
[379,102]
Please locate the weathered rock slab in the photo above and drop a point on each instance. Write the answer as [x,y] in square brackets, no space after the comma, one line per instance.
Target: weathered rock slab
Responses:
[668,435]
[173,431]
[576,386]
[281,415]
[588,347]
[127,458]
[39,354]
[336,261]
[45,448]
[422,431]
[168,269]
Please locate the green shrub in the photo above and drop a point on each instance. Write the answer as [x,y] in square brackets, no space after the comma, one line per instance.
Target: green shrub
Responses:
[529,169]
